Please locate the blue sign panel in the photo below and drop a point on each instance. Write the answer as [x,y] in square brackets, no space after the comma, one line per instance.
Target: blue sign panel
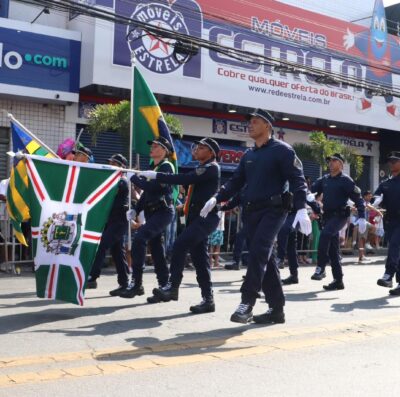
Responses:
[228,158]
[39,61]
[4,6]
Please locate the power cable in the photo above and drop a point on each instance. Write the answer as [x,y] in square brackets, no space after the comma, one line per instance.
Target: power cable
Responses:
[241,55]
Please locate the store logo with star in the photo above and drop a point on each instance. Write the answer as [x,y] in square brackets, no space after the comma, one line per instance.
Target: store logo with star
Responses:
[154,52]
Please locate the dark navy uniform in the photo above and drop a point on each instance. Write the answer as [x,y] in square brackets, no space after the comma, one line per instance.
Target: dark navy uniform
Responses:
[156,202]
[337,190]
[205,181]
[113,237]
[390,189]
[240,243]
[266,170]
[287,244]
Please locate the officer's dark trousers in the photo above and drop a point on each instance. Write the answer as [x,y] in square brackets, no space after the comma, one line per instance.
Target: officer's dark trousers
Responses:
[194,239]
[240,245]
[112,238]
[287,242]
[392,267]
[328,247]
[262,270]
[151,233]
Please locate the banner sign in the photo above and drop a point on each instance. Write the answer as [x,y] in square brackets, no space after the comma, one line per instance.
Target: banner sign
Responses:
[228,159]
[362,147]
[42,61]
[275,30]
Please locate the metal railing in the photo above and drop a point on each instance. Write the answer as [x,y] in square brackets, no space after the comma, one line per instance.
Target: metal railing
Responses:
[13,255]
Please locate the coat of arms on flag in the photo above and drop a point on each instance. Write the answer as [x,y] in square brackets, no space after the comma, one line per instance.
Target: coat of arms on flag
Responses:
[69,205]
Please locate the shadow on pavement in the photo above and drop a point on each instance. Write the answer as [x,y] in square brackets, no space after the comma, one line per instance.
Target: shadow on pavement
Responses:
[365,304]
[118,326]
[18,295]
[20,321]
[208,342]
[306,296]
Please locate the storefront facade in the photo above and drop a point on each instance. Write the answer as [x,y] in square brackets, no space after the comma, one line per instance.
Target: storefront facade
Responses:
[279,31]
[39,81]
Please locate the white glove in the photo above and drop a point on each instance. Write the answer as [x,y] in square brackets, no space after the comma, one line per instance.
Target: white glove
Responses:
[377,200]
[362,225]
[208,206]
[311,197]
[303,220]
[348,39]
[130,214]
[148,174]
[129,175]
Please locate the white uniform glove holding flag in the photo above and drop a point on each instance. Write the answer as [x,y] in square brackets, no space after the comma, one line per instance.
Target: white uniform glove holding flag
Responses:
[303,220]
[311,197]
[148,174]
[208,206]
[362,225]
[130,214]
[129,175]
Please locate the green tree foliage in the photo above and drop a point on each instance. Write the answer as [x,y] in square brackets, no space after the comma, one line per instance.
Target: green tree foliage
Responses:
[116,117]
[321,147]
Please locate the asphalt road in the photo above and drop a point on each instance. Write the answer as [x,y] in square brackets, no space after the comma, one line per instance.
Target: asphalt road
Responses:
[332,342]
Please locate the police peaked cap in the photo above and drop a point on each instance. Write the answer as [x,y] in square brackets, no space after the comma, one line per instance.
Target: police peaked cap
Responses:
[84,150]
[263,114]
[336,156]
[394,156]
[211,144]
[164,142]
[119,159]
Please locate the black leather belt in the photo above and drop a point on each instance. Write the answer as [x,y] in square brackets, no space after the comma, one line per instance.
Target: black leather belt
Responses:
[155,206]
[272,202]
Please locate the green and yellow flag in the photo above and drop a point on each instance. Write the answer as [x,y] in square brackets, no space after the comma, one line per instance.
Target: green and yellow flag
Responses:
[148,121]
[17,201]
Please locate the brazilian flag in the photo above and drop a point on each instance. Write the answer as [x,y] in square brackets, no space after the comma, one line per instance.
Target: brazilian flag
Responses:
[148,121]
[17,202]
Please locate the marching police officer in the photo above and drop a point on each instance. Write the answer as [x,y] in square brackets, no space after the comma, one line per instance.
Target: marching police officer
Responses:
[113,234]
[157,204]
[287,244]
[266,169]
[240,243]
[337,188]
[204,183]
[389,198]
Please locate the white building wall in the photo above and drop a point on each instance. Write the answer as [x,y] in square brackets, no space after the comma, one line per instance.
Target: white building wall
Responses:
[27,13]
[46,121]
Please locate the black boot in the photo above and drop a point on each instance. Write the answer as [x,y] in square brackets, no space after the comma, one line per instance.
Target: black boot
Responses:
[272,316]
[334,285]
[233,266]
[155,298]
[395,291]
[290,280]
[117,291]
[167,293]
[243,314]
[91,284]
[385,281]
[319,274]
[207,305]
[132,290]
